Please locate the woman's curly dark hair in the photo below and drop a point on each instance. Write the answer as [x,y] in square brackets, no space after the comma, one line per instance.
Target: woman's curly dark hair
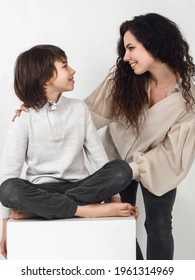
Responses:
[32,69]
[162,38]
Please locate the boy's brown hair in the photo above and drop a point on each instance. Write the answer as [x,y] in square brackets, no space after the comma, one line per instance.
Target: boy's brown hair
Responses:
[32,69]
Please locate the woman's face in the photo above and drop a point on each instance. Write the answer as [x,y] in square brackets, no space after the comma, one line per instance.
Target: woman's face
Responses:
[138,57]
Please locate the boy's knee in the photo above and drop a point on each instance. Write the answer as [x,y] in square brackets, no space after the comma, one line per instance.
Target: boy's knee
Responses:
[122,171]
[6,189]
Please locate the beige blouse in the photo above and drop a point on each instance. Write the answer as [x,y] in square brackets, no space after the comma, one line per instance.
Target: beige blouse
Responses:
[163,153]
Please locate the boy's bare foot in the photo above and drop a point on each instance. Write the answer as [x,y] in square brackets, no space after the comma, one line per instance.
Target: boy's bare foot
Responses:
[134,211]
[18,215]
[104,210]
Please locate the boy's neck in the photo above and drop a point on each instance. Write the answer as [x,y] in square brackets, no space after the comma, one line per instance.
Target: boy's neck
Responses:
[53,97]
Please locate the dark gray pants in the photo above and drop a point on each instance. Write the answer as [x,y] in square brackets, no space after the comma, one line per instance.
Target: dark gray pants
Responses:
[158,221]
[60,200]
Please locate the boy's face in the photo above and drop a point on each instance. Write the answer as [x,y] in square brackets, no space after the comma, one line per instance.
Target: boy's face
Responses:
[62,80]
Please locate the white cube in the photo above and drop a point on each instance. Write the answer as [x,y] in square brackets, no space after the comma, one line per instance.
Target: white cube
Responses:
[109,238]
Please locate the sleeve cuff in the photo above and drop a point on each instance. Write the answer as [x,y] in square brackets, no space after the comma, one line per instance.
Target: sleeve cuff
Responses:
[5,212]
[135,170]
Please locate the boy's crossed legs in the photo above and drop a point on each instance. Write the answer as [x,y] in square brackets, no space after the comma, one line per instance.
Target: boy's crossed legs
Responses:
[67,199]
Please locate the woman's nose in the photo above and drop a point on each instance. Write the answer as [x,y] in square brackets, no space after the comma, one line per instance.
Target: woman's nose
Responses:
[126,56]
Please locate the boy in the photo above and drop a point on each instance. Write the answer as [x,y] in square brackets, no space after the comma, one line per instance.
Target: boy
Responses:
[52,139]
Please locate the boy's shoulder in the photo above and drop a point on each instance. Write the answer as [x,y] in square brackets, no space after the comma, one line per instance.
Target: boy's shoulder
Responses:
[23,118]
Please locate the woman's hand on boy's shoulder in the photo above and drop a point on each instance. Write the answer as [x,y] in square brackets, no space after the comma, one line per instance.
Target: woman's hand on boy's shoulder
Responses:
[23,108]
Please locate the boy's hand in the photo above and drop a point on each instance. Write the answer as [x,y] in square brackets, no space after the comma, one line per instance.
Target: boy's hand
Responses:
[18,111]
[3,243]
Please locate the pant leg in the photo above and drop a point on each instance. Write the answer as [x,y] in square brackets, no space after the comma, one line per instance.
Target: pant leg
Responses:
[129,195]
[20,194]
[111,179]
[48,200]
[158,224]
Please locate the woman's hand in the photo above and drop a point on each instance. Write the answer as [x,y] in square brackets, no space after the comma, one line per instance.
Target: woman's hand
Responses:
[3,243]
[18,111]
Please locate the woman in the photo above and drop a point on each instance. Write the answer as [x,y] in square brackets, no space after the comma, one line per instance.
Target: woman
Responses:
[147,103]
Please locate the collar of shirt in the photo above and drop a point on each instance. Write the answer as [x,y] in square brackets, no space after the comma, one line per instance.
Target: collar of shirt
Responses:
[51,105]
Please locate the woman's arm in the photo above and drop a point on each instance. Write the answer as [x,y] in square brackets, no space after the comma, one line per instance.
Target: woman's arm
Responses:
[163,167]
[99,103]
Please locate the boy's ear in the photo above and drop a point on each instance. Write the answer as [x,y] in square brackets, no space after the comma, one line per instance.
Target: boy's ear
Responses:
[47,82]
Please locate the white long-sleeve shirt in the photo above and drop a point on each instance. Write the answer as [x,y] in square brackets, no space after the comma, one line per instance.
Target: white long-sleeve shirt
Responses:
[52,142]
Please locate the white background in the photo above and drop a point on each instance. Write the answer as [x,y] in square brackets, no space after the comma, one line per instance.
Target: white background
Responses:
[88,31]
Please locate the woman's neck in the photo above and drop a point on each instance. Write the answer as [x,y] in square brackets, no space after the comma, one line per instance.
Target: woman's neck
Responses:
[163,77]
